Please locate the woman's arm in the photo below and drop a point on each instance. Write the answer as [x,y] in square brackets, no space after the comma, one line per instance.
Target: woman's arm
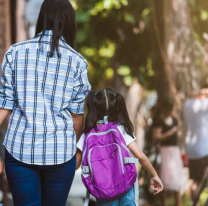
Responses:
[7,97]
[1,166]
[78,159]
[156,183]
[78,120]
[159,136]
[3,114]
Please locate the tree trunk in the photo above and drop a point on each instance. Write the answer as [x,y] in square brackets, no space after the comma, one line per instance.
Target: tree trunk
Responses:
[21,32]
[175,62]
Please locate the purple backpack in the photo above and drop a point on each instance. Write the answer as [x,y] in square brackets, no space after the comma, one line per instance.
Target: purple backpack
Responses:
[108,169]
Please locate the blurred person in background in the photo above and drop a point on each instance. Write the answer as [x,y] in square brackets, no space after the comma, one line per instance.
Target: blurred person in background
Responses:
[44,85]
[4,187]
[196,119]
[165,130]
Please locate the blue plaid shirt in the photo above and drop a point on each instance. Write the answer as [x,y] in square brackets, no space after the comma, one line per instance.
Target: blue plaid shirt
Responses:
[41,91]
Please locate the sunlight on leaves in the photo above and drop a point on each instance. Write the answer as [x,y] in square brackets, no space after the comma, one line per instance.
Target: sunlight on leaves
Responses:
[108,50]
[124,2]
[91,70]
[142,69]
[129,18]
[192,2]
[74,4]
[204,15]
[150,71]
[81,35]
[86,51]
[105,52]
[108,5]
[124,70]
[104,63]
[145,12]
[128,80]
[98,8]
[83,17]
[204,196]
[109,73]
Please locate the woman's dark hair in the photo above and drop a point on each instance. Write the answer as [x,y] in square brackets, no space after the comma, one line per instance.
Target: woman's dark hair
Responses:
[167,106]
[105,102]
[58,16]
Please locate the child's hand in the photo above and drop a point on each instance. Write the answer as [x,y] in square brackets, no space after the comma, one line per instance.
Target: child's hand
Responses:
[156,184]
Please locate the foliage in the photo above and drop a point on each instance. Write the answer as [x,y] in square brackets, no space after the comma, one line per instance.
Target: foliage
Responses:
[115,37]
[199,15]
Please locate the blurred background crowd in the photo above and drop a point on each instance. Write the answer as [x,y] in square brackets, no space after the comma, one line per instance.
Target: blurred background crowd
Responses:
[156,54]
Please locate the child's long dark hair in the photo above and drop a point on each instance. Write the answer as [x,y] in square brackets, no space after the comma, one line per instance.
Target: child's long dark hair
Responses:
[104,102]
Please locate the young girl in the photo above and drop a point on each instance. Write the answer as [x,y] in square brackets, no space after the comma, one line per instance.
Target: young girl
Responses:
[105,102]
[165,128]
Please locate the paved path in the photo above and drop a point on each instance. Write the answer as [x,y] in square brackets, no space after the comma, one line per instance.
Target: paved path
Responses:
[77,193]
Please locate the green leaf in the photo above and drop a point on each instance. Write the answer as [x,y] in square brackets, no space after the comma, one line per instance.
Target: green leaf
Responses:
[150,71]
[128,80]
[124,70]
[81,36]
[87,51]
[204,15]
[108,50]
[145,13]
[83,17]
[109,73]
[129,18]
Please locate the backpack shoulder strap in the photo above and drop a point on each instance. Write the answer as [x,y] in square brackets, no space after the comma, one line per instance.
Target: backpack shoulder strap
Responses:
[87,199]
[136,192]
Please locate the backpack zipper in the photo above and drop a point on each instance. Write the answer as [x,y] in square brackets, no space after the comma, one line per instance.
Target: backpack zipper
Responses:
[120,157]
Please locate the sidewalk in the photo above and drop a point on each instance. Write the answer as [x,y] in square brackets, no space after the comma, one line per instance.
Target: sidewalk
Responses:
[70,202]
[76,196]
[77,193]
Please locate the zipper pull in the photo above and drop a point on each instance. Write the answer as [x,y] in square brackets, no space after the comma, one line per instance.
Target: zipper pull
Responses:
[113,153]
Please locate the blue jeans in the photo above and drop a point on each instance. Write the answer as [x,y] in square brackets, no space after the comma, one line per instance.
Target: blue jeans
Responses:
[127,200]
[37,185]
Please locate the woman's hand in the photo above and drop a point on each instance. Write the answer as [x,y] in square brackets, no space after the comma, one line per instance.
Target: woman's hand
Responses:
[1,166]
[3,114]
[78,159]
[156,184]
[175,129]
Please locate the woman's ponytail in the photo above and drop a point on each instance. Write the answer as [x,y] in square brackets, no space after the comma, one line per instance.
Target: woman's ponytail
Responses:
[91,119]
[122,115]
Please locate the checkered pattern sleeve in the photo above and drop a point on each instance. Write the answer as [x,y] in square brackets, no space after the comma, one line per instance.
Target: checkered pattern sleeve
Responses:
[7,99]
[81,88]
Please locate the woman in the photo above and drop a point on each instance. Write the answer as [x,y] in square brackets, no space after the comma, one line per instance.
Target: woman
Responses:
[165,128]
[44,84]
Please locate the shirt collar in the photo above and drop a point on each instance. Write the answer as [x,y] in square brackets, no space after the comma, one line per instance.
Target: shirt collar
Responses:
[48,35]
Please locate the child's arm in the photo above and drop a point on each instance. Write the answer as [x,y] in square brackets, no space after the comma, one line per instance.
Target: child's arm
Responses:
[78,159]
[155,182]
